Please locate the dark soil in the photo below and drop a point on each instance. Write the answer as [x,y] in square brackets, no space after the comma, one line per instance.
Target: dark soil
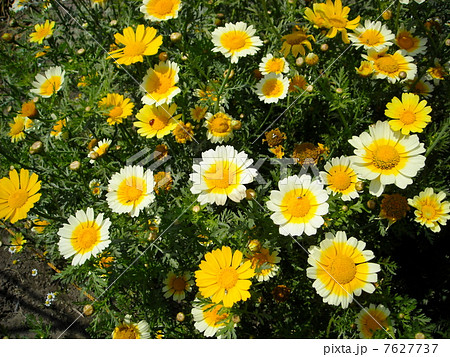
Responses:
[22,297]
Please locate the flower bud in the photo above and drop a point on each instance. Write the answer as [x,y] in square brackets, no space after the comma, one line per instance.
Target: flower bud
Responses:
[180,317]
[176,37]
[7,37]
[152,236]
[387,14]
[447,42]
[88,310]
[250,194]
[94,156]
[218,22]
[300,61]
[220,15]
[81,51]
[163,56]
[309,88]
[88,109]
[419,335]
[184,57]
[324,47]
[236,124]
[402,74]
[236,319]
[75,165]
[339,90]
[311,59]
[113,22]
[359,185]
[92,144]
[344,208]
[196,209]
[231,75]
[371,204]
[36,148]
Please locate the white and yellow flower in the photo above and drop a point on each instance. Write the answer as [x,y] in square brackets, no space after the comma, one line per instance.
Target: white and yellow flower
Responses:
[85,236]
[160,82]
[160,10]
[340,178]
[49,83]
[220,127]
[209,318]
[272,87]
[387,66]
[264,263]
[100,149]
[271,64]
[177,285]
[130,190]
[412,45]
[372,319]
[372,35]
[221,174]
[386,157]
[340,268]
[298,206]
[130,330]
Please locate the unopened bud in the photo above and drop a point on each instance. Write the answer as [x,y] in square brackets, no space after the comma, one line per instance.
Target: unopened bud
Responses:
[419,336]
[339,90]
[176,37]
[163,56]
[309,88]
[196,209]
[236,319]
[371,204]
[88,109]
[220,15]
[311,59]
[324,47]
[218,22]
[7,37]
[401,315]
[88,310]
[300,61]
[402,74]
[231,75]
[81,51]
[447,42]
[180,317]
[84,25]
[74,166]
[92,143]
[359,185]
[184,57]
[250,194]
[36,148]
[113,23]
[387,14]
[94,155]
[344,208]
[236,124]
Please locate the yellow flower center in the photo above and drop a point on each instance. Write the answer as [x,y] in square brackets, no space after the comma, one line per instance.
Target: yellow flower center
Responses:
[371,37]
[85,238]
[43,32]
[295,38]
[299,206]
[179,284]
[227,278]
[125,332]
[18,198]
[116,112]
[220,123]
[234,40]
[51,85]
[428,211]
[338,22]
[275,65]
[272,88]
[134,49]
[387,64]
[385,157]
[18,127]
[340,180]
[221,176]
[373,322]
[405,42]
[342,269]
[160,8]
[408,117]
[212,318]
[159,83]
[158,123]
[132,193]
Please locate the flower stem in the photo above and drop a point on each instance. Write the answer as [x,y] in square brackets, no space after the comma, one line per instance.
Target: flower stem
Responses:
[224,82]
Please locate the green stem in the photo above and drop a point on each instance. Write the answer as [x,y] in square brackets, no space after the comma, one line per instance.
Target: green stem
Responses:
[45,215]
[397,15]
[265,119]
[442,132]
[224,82]
[329,326]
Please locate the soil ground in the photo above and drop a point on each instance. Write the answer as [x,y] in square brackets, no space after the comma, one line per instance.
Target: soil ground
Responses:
[22,297]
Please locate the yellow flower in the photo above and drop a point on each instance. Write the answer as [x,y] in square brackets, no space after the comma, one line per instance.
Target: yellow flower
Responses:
[57,130]
[198,113]
[176,285]
[223,277]
[438,72]
[100,149]
[306,153]
[205,93]
[411,44]
[372,35]
[390,66]
[365,69]
[263,262]
[278,151]
[336,19]
[236,40]
[48,84]
[314,16]
[18,195]
[271,64]
[129,330]
[156,121]
[409,114]
[163,181]
[85,236]
[295,41]
[372,319]
[220,127]
[430,210]
[183,132]
[19,127]
[340,178]
[160,82]
[393,207]
[137,45]
[160,10]
[419,87]
[116,108]
[94,185]
[43,31]
[29,109]
[17,243]
[272,88]
[209,318]
[340,268]
[98,3]
[274,137]
[297,82]
[161,151]
[39,226]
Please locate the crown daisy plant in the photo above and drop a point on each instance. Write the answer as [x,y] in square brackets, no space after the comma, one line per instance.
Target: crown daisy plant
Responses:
[272,88]
[85,236]
[224,277]
[116,108]
[412,45]
[143,42]
[340,268]
[393,208]
[298,205]
[159,84]
[130,190]
[57,130]
[409,115]
[271,64]
[372,35]
[386,157]
[18,194]
[49,83]
[99,150]
[19,127]
[43,31]
[220,174]
[176,286]
[209,318]
[339,177]
[157,10]
[431,211]
[387,66]
[156,121]
[220,127]
[294,43]
[373,319]
[17,243]
[236,40]
[130,330]
[264,263]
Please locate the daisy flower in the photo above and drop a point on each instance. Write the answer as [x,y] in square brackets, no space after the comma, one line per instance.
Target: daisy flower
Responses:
[156,121]
[393,208]
[19,127]
[98,3]
[57,129]
[183,132]
[340,178]
[100,149]
[18,5]
[221,174]
[129,330]
[271,64]
[297,82]
[39,226]
[116,108]
[372,319]
[419,87]
[372,35]
[220,127]
[50,83]
[209,318]
[51,296]
[85,236]
[43,31]
[298,206]
[386,157]
[430,210]
[34,272]
[272,88]
[223,277]
[409,43]
[159,83]
[314,16]
[409,114]
[236,40]
[18,194]
[198,113]
[336,19]
[294,43]
[264,263]
[137,45]
[130,190]
[95,186]
[176,285]
[438,72]
[47,303]
[29,110]
[365,69]
[17,243]
[160,10]
[340,268]
[390,66]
